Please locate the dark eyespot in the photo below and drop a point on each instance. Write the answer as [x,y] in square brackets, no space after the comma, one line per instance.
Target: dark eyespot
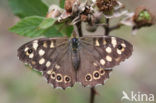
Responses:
[119,47]
[53,75]
[88,77]
[30,51]
[102,71]
[59,77]
[96,74]
[67,79]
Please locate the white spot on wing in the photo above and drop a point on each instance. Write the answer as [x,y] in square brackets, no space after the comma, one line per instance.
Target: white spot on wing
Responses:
[48,64]
[26,49]
[104,42]
[119,51]
[49,71]
[45,45]
[97,42]
[41,52]
[35,44]
[52,44]
[108,58]
[95,64]
[113,41]
[31,55]
[102,61]
[57,66]
[108,50]
[42,61]
[123,44]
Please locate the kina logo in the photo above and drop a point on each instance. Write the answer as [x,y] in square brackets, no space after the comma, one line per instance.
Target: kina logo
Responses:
[137,97]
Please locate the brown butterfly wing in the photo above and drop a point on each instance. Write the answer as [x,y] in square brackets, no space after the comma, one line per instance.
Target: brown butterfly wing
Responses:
[50,56]
[88,68]
[37,52]
[62,74]
[99,54]
[111,50]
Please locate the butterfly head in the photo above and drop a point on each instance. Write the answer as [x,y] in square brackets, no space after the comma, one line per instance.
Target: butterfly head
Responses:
[75,43]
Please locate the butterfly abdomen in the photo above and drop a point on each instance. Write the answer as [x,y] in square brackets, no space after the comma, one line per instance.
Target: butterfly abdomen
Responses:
[76,60]
[75,53]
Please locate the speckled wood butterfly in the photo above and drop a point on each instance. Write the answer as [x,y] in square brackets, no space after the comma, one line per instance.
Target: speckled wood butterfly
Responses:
[64,61]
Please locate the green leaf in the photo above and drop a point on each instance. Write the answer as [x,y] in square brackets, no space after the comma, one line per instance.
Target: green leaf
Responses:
[24,8]
[50,2]
[46,23]
[67,30]
[53,32]
[36,26]
[62,3]
[59,30]
[56,2]
[29,27]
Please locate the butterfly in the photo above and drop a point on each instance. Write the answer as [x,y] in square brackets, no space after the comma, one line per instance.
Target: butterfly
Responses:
[65,61]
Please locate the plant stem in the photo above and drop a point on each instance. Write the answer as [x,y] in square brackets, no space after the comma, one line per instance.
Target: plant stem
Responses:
[107,29]
[92,94]
[79,29]
[115,27]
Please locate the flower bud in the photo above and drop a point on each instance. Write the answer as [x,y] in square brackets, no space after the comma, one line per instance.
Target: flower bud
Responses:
[68,5]
[143,17]
[106,6]
[54,11]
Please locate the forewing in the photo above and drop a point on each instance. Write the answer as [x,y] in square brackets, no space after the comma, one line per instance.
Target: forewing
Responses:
[98,54]
[49,54]
[111,50]
[38,52]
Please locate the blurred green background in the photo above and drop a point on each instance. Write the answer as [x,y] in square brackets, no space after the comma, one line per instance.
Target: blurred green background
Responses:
[21,85]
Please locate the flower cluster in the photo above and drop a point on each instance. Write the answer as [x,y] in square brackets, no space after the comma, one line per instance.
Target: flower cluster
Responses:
[76,11]
[106,6]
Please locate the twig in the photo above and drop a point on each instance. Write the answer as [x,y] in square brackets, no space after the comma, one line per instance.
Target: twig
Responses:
[115,27]
[107,30]
[79,29]
[92,94]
